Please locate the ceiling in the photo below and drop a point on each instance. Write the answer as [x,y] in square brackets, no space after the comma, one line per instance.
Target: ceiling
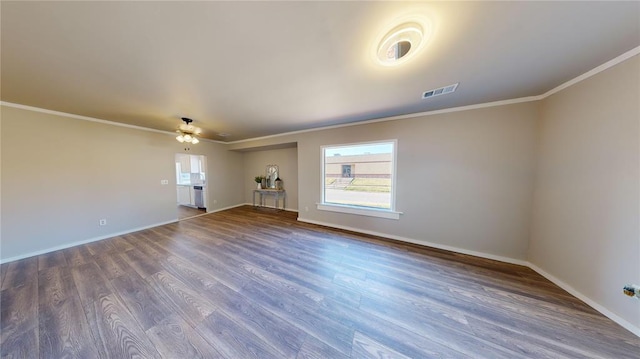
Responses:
[252,69]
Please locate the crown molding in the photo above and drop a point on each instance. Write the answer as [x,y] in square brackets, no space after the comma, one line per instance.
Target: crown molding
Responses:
[93,119]
[609,64]
[613,62]
[399,117]
[625,56]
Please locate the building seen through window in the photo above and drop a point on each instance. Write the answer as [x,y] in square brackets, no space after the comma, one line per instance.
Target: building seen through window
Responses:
[359,175]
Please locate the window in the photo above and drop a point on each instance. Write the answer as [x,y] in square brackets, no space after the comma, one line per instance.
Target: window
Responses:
[346,171]
[360,179]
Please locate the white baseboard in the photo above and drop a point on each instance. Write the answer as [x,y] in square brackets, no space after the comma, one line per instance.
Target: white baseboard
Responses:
[423,243]
[94,239]
[607,313]
[73,244]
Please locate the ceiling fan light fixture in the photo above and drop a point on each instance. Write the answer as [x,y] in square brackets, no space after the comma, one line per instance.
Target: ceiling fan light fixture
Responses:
[188,132]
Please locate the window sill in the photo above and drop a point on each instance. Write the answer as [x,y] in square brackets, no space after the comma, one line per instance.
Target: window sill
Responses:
[380,213]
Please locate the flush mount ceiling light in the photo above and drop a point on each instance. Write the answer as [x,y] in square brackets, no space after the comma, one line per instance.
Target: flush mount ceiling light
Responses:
[402,42]
[188,132]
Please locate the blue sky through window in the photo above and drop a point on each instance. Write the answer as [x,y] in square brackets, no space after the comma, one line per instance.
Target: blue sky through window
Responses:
[353,150]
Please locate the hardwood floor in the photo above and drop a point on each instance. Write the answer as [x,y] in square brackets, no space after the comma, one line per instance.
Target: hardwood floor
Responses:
[258,284]
[185,212]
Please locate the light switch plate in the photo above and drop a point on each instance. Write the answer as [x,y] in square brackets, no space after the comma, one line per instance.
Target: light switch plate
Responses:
[164,181]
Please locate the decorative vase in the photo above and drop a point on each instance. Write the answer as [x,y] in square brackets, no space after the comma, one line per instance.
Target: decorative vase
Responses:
[259,185]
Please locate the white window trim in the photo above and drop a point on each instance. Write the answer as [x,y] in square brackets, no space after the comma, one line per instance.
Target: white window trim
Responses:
[358,210]
[362,211]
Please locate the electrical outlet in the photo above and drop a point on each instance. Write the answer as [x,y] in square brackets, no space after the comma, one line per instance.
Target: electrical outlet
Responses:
[103,222]
[306,209]
[164,182]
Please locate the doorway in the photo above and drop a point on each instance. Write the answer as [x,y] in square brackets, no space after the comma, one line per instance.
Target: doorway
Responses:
[191,185]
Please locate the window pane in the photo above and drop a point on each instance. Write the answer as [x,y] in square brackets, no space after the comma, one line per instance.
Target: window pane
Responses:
[359,175]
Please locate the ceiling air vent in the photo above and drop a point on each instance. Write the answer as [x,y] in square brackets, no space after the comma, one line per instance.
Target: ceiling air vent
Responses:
[440,91]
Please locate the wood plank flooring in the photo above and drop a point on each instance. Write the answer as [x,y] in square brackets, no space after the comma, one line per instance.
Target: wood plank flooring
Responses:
[248,283]
[188,212]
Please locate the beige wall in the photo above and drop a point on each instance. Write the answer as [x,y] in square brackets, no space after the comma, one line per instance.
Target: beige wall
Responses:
[255,163]
[464,179]
[61,175]
[585,227]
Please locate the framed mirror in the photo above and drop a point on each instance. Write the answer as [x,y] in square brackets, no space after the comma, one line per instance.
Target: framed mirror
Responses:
[271,174]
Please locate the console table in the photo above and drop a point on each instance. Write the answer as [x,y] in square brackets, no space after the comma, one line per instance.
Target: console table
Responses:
[276,193]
